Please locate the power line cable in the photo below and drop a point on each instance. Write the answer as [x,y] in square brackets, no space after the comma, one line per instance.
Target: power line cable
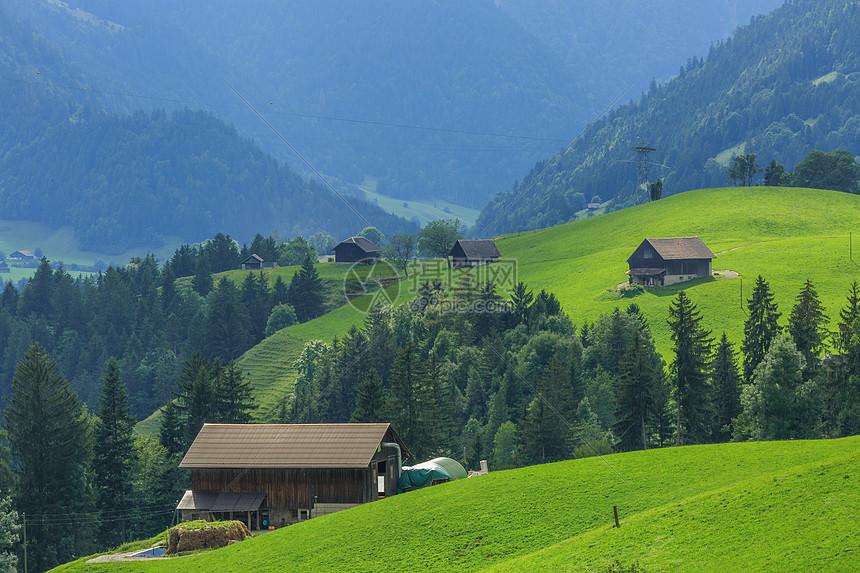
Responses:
[292,114]
[552,163]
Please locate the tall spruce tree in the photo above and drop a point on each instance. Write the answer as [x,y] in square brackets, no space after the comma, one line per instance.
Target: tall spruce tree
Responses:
[202,282]
[370,399]
[226,322]
[807,326]
[544,430]
[404,402]
[50,440]
[726,383]
[760,328]
[113,456]
[234,397]
[306,292]
[634,395]
[692,346]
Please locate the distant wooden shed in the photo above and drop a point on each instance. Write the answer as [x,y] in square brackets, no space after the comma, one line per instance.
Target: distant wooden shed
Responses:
[274,474]
[357,250]
[253,262]
[4,268]
[469,253]
[663,262]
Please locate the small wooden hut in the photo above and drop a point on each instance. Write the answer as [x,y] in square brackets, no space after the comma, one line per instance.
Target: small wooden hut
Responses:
[253,262]
[357,250]
[470,253]
[663,262]
[274,474]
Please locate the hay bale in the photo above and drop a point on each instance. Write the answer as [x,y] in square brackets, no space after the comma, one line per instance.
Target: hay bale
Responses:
[197,535]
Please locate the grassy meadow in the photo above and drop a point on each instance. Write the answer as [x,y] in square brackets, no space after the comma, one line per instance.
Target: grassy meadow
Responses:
[766,506]
[786,235]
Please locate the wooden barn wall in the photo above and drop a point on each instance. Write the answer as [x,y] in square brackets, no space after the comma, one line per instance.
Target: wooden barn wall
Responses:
[638,260]
[292,488]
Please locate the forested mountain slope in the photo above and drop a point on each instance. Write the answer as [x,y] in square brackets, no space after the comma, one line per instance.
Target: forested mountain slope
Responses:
[125,181]
[783,85]
[480,66]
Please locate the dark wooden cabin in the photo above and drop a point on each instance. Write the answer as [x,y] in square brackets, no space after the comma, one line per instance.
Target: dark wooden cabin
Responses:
[356,250]
[274,474]
[469,253]
[663,262]
[253,262]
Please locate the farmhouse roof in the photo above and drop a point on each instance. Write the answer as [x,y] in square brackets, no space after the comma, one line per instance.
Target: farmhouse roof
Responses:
[364,244]
[287,445]
[24,253]
[681,248]
[255,258]
[479,249]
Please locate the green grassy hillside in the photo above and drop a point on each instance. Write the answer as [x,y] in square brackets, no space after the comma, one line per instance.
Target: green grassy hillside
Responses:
[772,506]
[786,235]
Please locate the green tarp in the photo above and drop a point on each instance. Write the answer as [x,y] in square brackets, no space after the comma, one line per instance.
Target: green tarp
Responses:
[424,474]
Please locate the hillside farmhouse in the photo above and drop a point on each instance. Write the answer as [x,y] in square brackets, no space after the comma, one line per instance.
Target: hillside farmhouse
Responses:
[664,262]
[22,256]
[275,474]
[4,268]
[252,263]
[466,253]
[356,250]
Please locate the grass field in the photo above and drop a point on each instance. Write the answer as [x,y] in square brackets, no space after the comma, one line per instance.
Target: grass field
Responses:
[61,244]
[769,506]
[423,211]
[786,235]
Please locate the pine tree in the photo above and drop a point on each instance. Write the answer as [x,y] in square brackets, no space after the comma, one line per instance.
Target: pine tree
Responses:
[202,282]
[369,402]
[760,328]
[634,395]
[113,454]
[692,346]
[195,399]
[171,435]
[806,324]
[226,323]
[545,429]
[404,401]
[306,292]
[726,383]
[50,440]
[234,396]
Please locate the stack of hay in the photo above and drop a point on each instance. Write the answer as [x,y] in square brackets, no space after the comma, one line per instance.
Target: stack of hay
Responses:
[196,535]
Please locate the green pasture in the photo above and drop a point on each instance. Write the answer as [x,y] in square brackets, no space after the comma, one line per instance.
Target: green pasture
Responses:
[767,506]
[786,235]
[424,211]
[61,244]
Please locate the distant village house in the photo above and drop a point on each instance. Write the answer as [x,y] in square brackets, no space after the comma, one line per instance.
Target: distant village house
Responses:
[4,268]
[470,253]
[664,262]
[21,256]
[276,474]
[356,250]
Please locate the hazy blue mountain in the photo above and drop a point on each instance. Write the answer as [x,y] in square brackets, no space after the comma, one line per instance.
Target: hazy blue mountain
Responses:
[507,67]
[129,180]
[781,86]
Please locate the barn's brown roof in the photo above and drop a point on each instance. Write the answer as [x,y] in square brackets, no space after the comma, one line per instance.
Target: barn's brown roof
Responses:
[681,248]
[364,244]
[287,445]
[255,258]
[477,249]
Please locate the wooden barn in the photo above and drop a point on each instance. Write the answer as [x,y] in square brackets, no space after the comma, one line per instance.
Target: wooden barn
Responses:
[275,474]
[470,253]
[356,250]
[253,262]
[22,256]
[4,268]
[663,262]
